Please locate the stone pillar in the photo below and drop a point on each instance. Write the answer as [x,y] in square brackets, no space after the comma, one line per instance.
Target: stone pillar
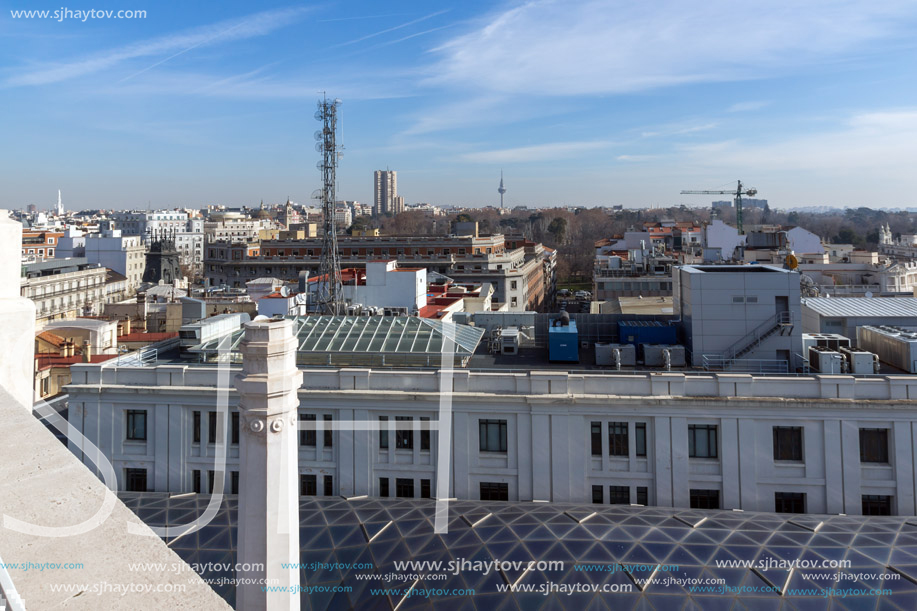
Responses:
[268,465]
[17,317]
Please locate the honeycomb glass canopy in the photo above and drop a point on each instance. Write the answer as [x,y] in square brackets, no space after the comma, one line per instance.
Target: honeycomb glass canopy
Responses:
[663,543]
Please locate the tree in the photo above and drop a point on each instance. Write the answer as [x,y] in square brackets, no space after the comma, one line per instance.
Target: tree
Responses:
[463,218]
[558,229]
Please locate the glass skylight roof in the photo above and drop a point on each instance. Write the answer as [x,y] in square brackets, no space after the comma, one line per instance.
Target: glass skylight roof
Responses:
[365,340]
[381,531]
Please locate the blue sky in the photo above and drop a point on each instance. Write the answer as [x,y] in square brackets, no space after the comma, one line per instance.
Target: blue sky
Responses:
[596,102]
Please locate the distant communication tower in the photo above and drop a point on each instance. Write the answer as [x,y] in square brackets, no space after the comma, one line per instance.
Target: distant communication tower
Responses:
[501,189]
[329,298]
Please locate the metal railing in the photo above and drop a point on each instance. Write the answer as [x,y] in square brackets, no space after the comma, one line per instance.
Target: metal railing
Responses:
[760,332]
[713,362]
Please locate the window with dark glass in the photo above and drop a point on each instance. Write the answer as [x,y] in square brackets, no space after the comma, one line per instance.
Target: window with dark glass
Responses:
[135,480]
[211,427]
[383,432]
[424,433]
[404,487]
[705,499]
[210,481]
[308,485]
[383,486]
[619,495]
[404,437]
[617,439]
[196,480]
[874,445]
[235,428]
[494,491]
[598,494]
[492,435]
[329,434]
[307,435]
[790,502]
[640,438]
[702,441]
[595,436]
[788,443]
[424,488]
[877,505]
[196,427]
[329,485]
[643,495]
[234,482]
[136,424]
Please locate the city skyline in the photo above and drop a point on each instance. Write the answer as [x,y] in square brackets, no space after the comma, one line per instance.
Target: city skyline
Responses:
[601,103]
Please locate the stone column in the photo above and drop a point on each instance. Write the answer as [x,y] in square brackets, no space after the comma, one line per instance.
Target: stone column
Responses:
[17,317]
[268,465]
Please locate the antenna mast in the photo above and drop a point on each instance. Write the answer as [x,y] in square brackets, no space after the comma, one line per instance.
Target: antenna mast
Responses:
[329,289]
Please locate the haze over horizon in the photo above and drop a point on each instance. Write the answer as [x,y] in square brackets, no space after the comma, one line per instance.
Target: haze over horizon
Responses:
[599,103]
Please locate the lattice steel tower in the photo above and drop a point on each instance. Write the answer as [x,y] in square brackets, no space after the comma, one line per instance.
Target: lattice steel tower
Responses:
[329,298]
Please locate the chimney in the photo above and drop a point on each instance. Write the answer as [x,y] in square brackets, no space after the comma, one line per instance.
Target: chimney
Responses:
[63,349]
[127,326]
[87,351]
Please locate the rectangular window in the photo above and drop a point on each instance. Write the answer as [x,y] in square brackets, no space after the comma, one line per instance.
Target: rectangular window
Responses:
[597,494]
[493,491]
[196,427]
[211,427]
[383,486]
[788,443]
[329,485]
[424,433]
[877,505]
[383,432]
[307,435]
[640,438]
[492,435]
[705,499]
[135,480]
[308,485]
[702,441]
[235,427]
[619,495]
[617,439]
[424,488]
[643,495]
[404,438]
[790,502]
[136,425]
[234,483]
[404,488]
[874,445]
[211,479]
[595,435]
[196,480]
[329,434]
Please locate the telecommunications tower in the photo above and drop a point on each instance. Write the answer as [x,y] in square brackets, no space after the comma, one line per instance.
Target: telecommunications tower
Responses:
[328,296]
[501,189]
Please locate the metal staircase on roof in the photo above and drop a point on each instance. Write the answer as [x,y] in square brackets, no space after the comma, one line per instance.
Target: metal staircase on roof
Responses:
[781,322]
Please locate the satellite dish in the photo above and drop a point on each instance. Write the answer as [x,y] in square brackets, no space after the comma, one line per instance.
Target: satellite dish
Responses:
[319,147]
[317,194]
[319,116]
[869,293]
[284,291]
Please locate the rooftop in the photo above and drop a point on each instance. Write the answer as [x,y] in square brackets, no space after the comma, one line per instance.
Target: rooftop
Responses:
[863,306]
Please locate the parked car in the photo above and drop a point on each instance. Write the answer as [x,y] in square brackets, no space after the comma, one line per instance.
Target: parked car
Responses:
[583,295]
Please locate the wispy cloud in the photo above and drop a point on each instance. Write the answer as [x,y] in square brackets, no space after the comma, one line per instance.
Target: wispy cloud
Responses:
[173,45]
[539,152]
[547,47]
[636,158]
[391,29]
[749,106]
[678,130]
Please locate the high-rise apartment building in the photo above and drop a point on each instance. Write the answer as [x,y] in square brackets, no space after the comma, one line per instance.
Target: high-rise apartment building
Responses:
[386,193]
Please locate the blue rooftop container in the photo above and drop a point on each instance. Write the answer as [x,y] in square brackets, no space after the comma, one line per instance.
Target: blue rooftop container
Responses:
[563,343]
[638,332]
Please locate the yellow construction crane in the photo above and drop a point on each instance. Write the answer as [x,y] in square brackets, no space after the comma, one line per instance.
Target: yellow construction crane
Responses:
[737,193]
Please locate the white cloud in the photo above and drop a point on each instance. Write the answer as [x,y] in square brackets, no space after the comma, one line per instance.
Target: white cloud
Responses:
[557,48]
[539,152]
[172,45]
[678,130]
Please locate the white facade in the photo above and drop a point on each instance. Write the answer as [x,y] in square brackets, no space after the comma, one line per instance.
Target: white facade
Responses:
[544,421]
[388,286]
[725,237]
[123,254]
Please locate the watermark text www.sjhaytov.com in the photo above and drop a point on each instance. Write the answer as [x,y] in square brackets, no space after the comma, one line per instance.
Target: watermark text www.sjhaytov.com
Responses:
[66,14]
